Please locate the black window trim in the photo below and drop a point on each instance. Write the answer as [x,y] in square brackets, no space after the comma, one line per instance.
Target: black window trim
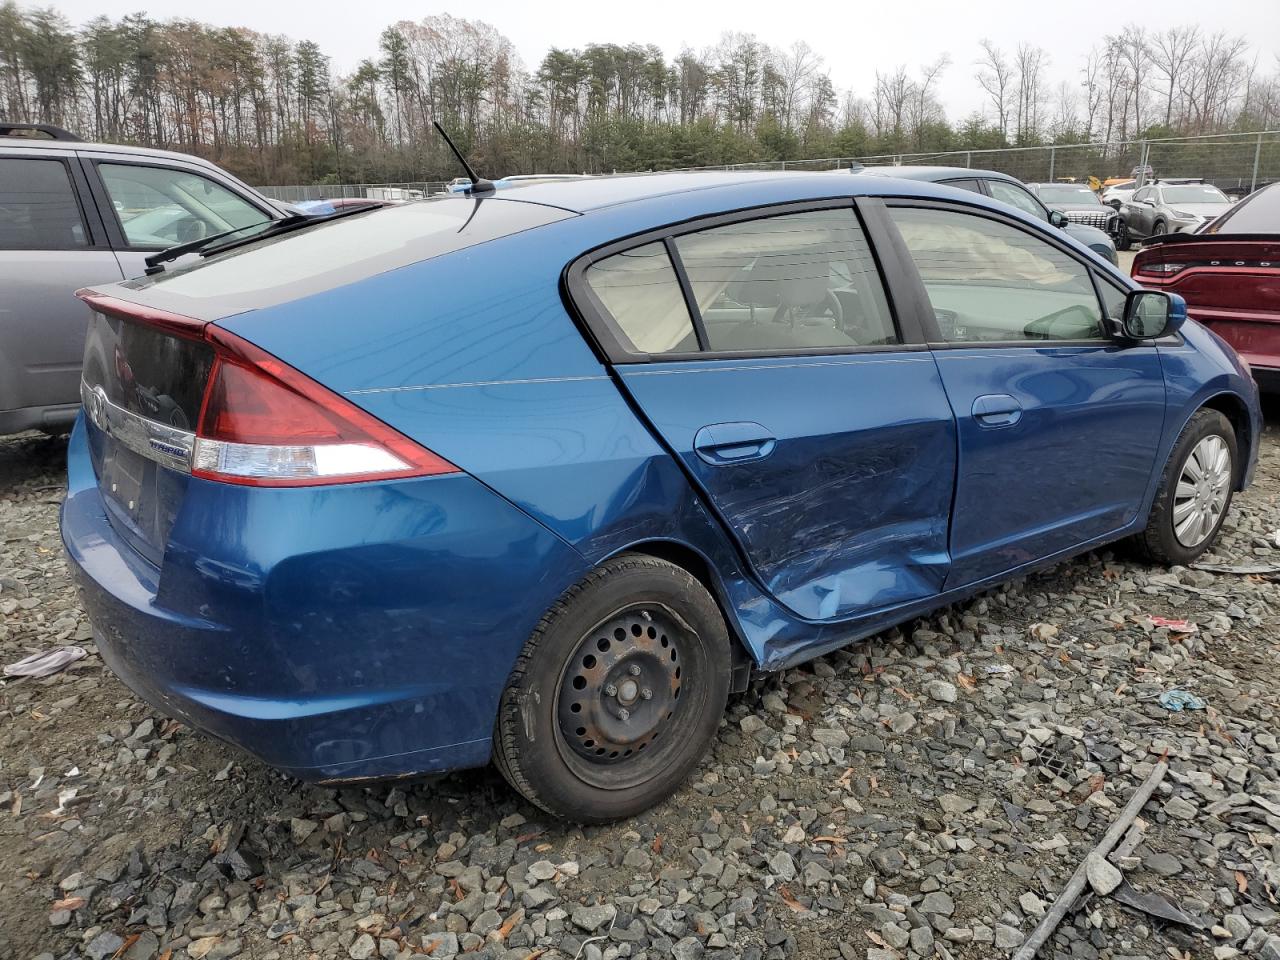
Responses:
[102,196]
[94,233]
[933,333]
[612,345]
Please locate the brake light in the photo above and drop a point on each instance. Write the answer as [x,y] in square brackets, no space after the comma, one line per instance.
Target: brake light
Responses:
[1161,269]
[263,423]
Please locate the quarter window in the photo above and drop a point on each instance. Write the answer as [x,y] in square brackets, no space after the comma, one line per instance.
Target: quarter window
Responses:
[988,281]
[798,281]
[641,294]
[163,206]
[38,208]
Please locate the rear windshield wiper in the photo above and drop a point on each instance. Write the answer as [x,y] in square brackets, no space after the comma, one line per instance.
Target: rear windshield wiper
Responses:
[155,261]
[287,225]
[274,228]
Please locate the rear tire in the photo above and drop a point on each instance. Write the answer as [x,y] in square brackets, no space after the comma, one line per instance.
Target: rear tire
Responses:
[1194,493]
[617,693]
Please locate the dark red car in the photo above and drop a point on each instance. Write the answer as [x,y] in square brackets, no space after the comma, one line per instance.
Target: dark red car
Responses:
[1229,274]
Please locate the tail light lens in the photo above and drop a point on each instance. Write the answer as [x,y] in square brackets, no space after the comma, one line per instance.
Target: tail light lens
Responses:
[263,423]
[1160,269]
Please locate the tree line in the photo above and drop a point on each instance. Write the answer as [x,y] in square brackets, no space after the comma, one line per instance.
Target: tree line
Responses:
[273,110]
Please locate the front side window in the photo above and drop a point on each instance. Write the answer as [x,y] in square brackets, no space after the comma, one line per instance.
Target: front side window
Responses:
[797,281]
[992,282]
[1015,196]
[38,208]
[163,206]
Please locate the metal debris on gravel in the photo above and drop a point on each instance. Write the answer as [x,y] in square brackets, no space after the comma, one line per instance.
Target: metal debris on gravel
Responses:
[928,793]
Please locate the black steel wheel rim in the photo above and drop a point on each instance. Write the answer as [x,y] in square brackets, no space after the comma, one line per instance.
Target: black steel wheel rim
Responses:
[623,691]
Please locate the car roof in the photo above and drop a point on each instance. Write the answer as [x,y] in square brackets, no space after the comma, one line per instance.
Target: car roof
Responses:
[933,174]
[71,146]
[593,193]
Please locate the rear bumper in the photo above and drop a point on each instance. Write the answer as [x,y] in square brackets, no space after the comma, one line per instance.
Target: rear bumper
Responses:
[349,632]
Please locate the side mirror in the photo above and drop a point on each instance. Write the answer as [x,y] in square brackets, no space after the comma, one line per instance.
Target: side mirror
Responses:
[1149,314]
[1058,218]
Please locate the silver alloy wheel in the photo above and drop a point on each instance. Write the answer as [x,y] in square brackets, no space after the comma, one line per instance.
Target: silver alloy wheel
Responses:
[1201,494]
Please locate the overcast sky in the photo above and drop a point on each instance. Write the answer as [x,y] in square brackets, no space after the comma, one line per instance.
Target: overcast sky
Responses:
[854,38]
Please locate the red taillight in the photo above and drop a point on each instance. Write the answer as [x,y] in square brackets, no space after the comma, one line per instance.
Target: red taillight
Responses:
[263,423]
[1159,269]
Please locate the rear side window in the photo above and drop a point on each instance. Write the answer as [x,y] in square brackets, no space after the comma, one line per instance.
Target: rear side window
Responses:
[989,281]
[38,208]
[797,281]
[776,285]
[641,293]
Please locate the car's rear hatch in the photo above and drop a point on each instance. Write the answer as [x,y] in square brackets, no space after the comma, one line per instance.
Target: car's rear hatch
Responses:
[142,388]
[156,350]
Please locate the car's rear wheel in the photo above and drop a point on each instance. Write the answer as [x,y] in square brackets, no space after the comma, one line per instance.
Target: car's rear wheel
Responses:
[1194,493]
[617,694]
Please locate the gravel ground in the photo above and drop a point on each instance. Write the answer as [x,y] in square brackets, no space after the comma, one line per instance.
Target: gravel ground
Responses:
[925,794]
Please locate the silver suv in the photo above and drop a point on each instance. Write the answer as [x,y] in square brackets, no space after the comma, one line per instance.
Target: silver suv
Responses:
[75,214]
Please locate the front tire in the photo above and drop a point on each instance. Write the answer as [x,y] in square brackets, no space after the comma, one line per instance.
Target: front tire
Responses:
[617,694]
[1194,493]
[1122,236]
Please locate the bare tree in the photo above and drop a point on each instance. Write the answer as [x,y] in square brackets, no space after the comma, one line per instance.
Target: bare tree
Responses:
[995,75]
[1029,63]
[1171,50]
[925,108]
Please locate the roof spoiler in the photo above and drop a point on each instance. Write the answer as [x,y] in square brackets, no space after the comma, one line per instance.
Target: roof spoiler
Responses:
[41,130]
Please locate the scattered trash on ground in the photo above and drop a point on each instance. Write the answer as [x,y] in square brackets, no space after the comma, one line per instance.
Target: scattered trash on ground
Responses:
[1174,625]
[1179,700]
[1080,879]
[45,663]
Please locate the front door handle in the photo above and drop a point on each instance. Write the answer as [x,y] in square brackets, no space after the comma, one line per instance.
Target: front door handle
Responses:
[997,410]
[725,443]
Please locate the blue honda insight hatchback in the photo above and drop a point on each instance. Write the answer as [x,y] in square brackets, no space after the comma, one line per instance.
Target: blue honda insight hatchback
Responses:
[541,476]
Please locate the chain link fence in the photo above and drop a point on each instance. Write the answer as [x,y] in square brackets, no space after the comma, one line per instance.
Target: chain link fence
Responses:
[407,190]
[1236,163]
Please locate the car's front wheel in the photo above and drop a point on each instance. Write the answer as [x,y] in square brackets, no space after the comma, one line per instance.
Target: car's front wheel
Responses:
[1194,493]
[1122,236]
[617,694]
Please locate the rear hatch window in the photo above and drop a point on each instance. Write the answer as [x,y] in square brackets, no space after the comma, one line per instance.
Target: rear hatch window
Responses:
[142,389]
[330,255]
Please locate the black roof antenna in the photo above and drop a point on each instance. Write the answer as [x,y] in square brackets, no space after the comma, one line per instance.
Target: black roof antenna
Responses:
[478,185]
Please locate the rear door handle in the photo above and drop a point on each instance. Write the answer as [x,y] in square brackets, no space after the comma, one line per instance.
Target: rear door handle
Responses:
[724,443]
[997,410]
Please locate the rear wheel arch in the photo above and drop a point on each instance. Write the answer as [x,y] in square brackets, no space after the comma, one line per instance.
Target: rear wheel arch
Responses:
[697,566]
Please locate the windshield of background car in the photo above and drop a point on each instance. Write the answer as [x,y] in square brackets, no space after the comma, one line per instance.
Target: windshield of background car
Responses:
[330,255]
[1194,193]
[1068,195]
[1257,213]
